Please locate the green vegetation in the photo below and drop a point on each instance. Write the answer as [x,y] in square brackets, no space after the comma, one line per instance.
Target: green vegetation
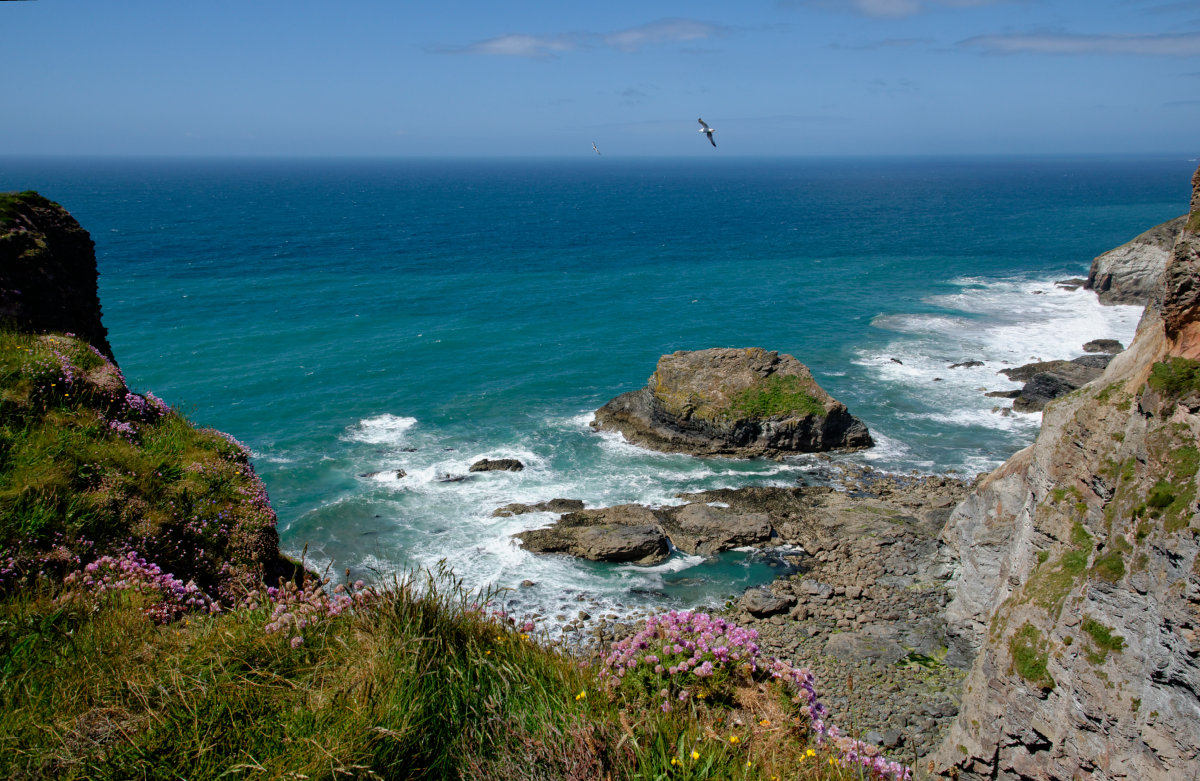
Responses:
[1110,566]
[1050,582]
[11,203]
[778,395]
[1030,655]
[1103,640]
[1175,377]
[89,468]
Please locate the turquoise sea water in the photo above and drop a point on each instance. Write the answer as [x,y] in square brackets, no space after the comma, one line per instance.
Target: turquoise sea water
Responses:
[347,317]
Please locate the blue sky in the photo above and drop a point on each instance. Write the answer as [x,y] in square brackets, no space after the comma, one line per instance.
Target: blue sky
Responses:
[523,78]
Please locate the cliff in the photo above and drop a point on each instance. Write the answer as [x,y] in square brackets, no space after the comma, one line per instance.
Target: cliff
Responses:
[1130,273]
[89,468]
[48,275]
[1077,588]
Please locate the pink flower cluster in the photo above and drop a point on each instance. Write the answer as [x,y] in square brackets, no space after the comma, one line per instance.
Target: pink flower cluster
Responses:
[302,607]
[681,650]
[167,596]
[684,649]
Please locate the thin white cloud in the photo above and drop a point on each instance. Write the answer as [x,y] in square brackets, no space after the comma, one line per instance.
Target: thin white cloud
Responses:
[632,39]
[1166,45]
[662,31]
[533,46]
[894,9]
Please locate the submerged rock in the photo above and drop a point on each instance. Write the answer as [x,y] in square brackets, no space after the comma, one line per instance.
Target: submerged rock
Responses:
[740,403]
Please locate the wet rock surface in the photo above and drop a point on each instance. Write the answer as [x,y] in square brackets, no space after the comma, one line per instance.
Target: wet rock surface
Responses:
[551,506]
[497,465]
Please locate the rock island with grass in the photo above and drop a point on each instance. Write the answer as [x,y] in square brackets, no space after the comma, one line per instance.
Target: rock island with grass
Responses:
[740,403]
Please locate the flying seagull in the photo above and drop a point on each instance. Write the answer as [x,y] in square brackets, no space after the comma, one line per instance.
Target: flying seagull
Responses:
[595,147]
[704,128]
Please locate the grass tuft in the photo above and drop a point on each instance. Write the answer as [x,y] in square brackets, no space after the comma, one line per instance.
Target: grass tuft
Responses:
[777,396]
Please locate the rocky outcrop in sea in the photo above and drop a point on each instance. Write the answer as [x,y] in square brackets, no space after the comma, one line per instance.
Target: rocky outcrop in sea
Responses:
[741,403]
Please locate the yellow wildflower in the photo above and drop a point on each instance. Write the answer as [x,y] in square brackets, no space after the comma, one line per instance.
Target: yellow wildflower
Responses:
[810,753]
[695,754]
[764,723]
[582,695]
[733,738]
[674,760]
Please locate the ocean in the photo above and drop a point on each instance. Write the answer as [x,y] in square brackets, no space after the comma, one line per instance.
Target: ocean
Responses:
[349,318]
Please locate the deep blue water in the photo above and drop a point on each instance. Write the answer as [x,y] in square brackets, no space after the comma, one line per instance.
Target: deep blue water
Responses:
[343,317]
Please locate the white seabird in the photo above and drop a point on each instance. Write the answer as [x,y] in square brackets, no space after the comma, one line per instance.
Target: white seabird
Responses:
[704,128]
[595,147]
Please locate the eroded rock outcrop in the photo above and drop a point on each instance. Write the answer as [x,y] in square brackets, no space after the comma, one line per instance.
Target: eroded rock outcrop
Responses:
[1132,272]
[48,275]
[644,535]
[733,402]
[624,533]
[1078,584]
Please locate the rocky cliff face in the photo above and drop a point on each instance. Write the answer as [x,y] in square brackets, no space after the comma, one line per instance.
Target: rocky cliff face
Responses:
[1132,272]
[48,276]
[1078,584]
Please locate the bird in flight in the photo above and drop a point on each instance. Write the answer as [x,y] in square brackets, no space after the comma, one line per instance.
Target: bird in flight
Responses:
[595,147]
[704,128]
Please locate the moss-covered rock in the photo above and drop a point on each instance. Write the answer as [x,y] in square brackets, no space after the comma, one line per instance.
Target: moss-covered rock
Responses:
[733,402]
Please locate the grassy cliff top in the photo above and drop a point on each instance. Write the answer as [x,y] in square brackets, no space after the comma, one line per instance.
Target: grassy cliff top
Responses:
[88,467]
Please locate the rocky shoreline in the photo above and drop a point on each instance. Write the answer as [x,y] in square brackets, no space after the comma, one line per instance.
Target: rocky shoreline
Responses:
[863,608]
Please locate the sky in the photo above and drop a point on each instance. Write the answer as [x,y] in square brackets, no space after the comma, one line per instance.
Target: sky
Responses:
[525,78]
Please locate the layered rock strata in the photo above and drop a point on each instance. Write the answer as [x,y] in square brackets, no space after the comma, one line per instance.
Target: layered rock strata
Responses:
[1078,584]
[1130,273]
[733,402]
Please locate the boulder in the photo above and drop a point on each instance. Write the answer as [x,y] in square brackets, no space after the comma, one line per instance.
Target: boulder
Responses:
[761,603]
[740,403]
[625,533]
[1044,386]
[1111,346]
[703,530]
[497,465]
[854,646]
